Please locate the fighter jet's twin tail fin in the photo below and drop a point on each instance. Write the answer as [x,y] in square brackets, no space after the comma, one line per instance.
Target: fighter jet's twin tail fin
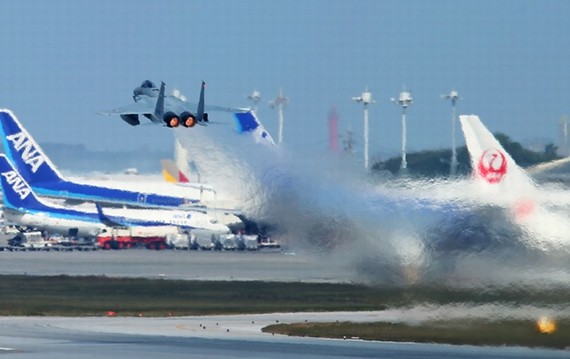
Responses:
[23,151]
[159,108]
[172,119]
[201,116]
[16,191]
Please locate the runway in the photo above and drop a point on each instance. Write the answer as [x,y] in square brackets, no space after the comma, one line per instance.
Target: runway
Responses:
[231,336]
[237,336]
[186,265]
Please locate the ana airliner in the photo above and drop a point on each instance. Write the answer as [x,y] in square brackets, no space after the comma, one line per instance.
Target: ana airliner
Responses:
[23,207]
[37,169]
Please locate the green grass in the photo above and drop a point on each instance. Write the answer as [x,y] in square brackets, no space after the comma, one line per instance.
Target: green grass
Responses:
[91,295]
[94,295]
[472,332]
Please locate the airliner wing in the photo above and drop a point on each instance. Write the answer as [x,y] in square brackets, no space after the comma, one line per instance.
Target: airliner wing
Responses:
[542,167]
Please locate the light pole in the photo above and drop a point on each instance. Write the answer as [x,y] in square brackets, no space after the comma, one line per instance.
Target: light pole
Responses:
[255,97]
[454,97]
[365,98]
[280,101]
[563,150]
[404,100]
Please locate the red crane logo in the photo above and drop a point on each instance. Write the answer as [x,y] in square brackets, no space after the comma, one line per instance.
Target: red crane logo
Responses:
[492,166]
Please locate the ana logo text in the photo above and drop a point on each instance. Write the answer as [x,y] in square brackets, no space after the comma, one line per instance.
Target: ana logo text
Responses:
[492,166]
[182,216]
[29,153]
[17,183]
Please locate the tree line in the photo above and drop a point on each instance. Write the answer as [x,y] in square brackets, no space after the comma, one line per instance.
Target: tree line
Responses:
[436,163]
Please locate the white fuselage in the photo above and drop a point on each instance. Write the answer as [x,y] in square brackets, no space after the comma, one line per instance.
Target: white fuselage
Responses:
[87,223]
[61,226]
[179,218]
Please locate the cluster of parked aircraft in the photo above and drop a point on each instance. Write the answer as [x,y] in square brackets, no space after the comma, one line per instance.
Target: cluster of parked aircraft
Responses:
[37,195]
[33,188]
[28,173]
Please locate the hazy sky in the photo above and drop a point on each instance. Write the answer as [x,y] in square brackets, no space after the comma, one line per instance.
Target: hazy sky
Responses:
[62,61]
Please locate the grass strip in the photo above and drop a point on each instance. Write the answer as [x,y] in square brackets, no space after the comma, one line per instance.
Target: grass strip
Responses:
[94,295]
[464,332]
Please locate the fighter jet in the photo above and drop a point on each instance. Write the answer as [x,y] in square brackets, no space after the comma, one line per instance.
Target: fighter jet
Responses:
[167,110]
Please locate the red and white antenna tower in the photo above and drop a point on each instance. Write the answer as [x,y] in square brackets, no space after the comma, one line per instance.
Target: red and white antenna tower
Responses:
[333,131]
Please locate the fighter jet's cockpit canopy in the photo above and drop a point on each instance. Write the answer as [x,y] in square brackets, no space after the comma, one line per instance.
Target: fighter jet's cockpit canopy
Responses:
[147,88]
[147,84]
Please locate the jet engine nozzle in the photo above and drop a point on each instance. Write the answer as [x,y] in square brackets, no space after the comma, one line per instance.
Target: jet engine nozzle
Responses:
[171,119]
[188,119]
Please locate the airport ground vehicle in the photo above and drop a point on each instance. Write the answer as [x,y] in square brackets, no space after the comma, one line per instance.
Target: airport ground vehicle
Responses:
[241,241]
[151,237]
[267,242]
[157,237]
[30,240]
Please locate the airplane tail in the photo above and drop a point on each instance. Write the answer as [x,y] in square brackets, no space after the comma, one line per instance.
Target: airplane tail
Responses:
[171,173]
[159,108]
[248,122]
[492,166]
[16,191]
[27,156]
[181,162]
[201,116]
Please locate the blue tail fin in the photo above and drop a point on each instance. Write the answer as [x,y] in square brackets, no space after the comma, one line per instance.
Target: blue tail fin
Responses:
[16,191]
[200,111]
[248,122]
[27,156]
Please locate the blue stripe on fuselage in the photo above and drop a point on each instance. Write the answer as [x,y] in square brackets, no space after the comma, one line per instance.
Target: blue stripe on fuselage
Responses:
[93,217]
[34,166]
[84,192]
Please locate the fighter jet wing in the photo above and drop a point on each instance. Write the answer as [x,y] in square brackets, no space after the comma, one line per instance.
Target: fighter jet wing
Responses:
[226,109]
[192,106]
[136,108]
